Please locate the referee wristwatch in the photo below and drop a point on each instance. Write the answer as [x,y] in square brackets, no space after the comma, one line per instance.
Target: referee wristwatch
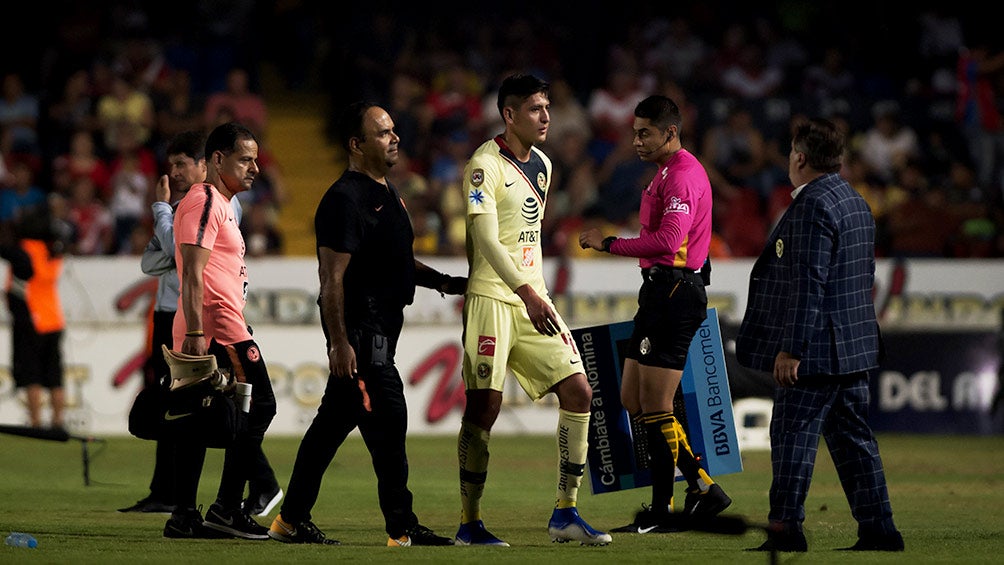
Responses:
[607,241]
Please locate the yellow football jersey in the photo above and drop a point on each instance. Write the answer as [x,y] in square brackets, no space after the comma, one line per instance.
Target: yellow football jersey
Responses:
[495,182]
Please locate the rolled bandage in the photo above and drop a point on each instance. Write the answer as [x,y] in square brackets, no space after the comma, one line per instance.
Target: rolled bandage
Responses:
[244,397]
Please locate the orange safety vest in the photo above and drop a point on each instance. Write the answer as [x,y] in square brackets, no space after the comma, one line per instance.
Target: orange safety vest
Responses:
[42,290]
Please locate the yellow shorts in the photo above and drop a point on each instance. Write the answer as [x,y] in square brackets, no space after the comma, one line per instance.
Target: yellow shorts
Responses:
[500,336]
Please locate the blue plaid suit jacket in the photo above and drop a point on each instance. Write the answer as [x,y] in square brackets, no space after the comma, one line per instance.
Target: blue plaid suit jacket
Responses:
[810,290]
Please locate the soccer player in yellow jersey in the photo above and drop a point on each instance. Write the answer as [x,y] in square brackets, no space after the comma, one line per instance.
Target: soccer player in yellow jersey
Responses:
[509,320]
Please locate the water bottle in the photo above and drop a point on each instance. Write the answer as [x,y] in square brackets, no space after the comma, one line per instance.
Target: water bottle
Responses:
[21,539]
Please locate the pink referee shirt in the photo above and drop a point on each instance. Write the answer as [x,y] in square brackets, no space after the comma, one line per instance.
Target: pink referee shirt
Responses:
[206,219]
[675,217]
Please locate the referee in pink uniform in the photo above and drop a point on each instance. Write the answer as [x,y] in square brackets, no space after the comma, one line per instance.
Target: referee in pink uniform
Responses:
[672,251]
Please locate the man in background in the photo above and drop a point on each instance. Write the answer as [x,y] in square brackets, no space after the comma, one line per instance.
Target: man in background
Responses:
[209,251]
[37,320]
[186,166]
[810,322]
[368,275]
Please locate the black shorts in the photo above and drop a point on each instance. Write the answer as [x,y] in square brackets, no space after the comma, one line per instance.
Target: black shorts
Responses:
[37,358]
[672,305]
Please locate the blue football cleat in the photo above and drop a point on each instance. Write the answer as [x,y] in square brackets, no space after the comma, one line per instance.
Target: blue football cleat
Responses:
[566,525]
[474,533]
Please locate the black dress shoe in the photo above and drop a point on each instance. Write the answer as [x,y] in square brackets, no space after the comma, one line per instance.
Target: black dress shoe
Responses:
[892,542]
[150,506]
[788,542]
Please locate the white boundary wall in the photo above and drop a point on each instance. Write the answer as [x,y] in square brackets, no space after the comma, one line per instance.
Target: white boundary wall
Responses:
[107,301]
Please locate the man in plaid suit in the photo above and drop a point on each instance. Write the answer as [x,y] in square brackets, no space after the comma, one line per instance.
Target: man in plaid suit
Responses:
[811,322]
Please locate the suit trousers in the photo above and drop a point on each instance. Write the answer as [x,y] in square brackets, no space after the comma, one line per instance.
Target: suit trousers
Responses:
[837,408]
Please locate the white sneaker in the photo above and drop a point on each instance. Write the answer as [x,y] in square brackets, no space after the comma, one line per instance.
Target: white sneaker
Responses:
[262,504]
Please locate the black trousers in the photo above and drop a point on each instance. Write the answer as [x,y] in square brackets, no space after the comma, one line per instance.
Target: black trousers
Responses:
[244,459]
[162,483]
[383,430]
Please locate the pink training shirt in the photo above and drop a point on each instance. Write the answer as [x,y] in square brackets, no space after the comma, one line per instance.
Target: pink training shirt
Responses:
[675,217]
[206,219]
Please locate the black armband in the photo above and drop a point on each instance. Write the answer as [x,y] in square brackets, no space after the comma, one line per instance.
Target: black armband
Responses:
[607,241]
[431,279]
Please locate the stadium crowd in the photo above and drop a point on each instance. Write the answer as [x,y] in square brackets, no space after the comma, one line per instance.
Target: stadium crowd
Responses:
[919,95]
[86,114]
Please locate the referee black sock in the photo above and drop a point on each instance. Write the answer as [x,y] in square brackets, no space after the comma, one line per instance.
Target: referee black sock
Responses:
[662,457]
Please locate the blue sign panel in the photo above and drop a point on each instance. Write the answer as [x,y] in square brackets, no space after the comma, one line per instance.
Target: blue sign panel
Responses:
[617,458]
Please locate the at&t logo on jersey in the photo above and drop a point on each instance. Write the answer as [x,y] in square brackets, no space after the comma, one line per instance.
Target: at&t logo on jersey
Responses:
[530,210]
[527,236]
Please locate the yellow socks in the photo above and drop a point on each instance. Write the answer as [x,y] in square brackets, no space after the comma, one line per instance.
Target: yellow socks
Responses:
[689,467]
[573,432]
[472,452]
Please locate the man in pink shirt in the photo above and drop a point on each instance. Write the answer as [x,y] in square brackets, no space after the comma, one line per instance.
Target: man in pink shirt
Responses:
[209,252]
[672,251]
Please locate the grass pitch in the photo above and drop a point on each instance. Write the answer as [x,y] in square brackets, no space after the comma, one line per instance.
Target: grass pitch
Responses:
[946,492]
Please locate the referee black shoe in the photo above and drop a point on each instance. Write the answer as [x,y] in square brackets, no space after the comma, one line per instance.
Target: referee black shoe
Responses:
[648,520]
[705,504]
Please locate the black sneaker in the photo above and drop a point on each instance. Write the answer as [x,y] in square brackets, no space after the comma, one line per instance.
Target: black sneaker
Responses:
[149,505]
[707,503]
[235,522]
[263,503]
[304,532]
[187,524]
[651,521]
[418,535]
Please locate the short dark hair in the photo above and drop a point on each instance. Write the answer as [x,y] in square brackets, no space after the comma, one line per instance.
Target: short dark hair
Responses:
[822,142]
[660,110]
[517,88]
[224,138]
[350,122]
[190,143]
